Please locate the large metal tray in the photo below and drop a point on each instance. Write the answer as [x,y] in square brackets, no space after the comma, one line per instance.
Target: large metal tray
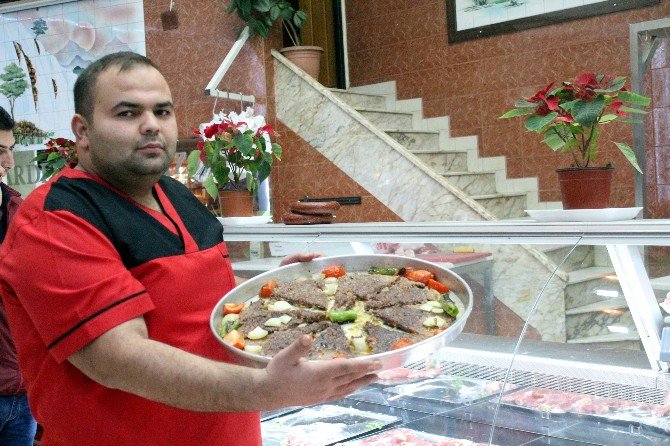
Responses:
[459,291]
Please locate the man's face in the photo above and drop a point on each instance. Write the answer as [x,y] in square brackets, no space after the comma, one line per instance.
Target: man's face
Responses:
[133,132]
[7,142]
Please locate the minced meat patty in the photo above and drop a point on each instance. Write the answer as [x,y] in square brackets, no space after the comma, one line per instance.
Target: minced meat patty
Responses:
[307,293]
[329,343]
[307,316]
[401,295]
[364,285]
[343,300]
[405,318]
[381,339]
[277,341]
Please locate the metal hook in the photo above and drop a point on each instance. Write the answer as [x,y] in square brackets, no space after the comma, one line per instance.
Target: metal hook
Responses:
[216,99]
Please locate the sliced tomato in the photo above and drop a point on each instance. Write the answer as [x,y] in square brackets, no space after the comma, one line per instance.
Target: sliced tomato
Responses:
[401,342]
[438,331]
[235,339]
[420,275]
[340,355]
[268,288]
[334,271]
[437,286]
[232,308]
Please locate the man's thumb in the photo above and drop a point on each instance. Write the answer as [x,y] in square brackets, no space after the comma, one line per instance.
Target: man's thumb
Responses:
[299,348]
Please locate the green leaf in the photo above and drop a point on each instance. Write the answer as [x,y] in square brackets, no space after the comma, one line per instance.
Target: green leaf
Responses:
[193,161]
[221,174]
[634,98]
[244,143]
[570,145]
[244,9]
[52,156]
[567,106]
[553,140]
[615,84]
[586,113]
[276,150]
[274,12]
[517,112]
[593,144]
[634,110]
[261,5]
[232,6]
[210,187]
[263,171]
[629,154]
[607,118]
[522,103]
[536,123]
[302,15]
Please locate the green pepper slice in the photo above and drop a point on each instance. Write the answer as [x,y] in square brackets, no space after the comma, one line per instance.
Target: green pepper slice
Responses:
[390,271]
[342,316]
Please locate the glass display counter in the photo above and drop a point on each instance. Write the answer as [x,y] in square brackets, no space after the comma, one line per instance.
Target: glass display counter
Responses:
[565,344]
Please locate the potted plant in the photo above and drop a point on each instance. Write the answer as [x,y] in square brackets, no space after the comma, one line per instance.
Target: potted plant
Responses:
[234,155]
[59,152]
[571,117]
[260,15]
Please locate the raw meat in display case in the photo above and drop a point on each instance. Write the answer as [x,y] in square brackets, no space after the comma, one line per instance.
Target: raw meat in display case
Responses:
[322,425]
[453,389]
[610,409]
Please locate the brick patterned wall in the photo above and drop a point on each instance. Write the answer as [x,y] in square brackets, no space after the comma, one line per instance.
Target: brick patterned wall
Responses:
[476,81]
[658,136]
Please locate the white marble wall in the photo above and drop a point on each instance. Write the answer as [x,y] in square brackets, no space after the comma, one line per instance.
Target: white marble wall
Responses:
[396,177]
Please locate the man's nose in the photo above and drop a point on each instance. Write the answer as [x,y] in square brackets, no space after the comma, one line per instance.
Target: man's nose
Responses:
[150,124]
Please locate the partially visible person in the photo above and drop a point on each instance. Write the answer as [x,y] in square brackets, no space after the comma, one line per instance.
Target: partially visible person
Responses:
[17,425]
[109,273]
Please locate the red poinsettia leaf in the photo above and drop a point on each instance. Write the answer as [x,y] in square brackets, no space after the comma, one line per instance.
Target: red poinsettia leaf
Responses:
[211,130]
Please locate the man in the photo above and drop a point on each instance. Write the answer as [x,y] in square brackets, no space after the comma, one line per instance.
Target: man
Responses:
[17,425]
[111,272]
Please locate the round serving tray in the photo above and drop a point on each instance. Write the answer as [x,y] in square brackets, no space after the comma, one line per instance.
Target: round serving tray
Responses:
[459,291]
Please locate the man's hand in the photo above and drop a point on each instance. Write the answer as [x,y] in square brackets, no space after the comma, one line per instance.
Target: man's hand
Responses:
[291,380]
[300,257]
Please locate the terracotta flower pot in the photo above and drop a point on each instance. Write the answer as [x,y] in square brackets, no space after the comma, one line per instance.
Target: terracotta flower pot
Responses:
[585,188]
[307,58]
[236,203]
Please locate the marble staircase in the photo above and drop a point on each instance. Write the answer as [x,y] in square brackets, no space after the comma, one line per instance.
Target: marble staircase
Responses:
[455,159]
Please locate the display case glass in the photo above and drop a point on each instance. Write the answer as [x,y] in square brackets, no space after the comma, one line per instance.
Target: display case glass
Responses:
[564,345]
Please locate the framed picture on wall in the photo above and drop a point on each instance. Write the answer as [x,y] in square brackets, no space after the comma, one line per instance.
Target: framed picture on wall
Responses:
[472,19]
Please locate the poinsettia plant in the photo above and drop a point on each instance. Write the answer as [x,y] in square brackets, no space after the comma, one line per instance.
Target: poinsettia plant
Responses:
[59,152]
[570,116]
[234,150]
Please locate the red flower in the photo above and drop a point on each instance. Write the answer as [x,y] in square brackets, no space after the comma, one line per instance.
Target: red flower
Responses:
[62,141]
[267,129]
[616,108]
[546,104]
[200,145]
[211,130]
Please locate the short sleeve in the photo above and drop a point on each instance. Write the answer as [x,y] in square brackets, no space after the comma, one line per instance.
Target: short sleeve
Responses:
[70,280]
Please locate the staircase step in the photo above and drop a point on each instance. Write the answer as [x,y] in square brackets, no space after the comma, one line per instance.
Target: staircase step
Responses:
[388,119]
[581,257]
[612,337]
[616,303]
[443,160]
[415,139]
[474,183]
[503,206]
[590,285]
[599,323]
[362,100]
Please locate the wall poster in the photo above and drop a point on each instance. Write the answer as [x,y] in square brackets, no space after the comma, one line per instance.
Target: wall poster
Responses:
[471,19]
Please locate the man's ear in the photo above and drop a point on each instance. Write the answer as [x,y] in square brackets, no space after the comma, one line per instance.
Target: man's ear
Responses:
[80,129]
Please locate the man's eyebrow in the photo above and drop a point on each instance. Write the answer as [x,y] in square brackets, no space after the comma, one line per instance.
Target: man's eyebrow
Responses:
[134,105]
[2,146]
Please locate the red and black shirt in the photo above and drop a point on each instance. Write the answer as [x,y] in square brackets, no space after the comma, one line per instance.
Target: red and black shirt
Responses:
[79,259]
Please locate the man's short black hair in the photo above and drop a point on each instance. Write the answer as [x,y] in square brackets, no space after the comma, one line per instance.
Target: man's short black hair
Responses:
[84,87]
[6,121]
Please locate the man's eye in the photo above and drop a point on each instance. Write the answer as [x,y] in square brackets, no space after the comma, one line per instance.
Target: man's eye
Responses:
[126,113]
[163,112]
